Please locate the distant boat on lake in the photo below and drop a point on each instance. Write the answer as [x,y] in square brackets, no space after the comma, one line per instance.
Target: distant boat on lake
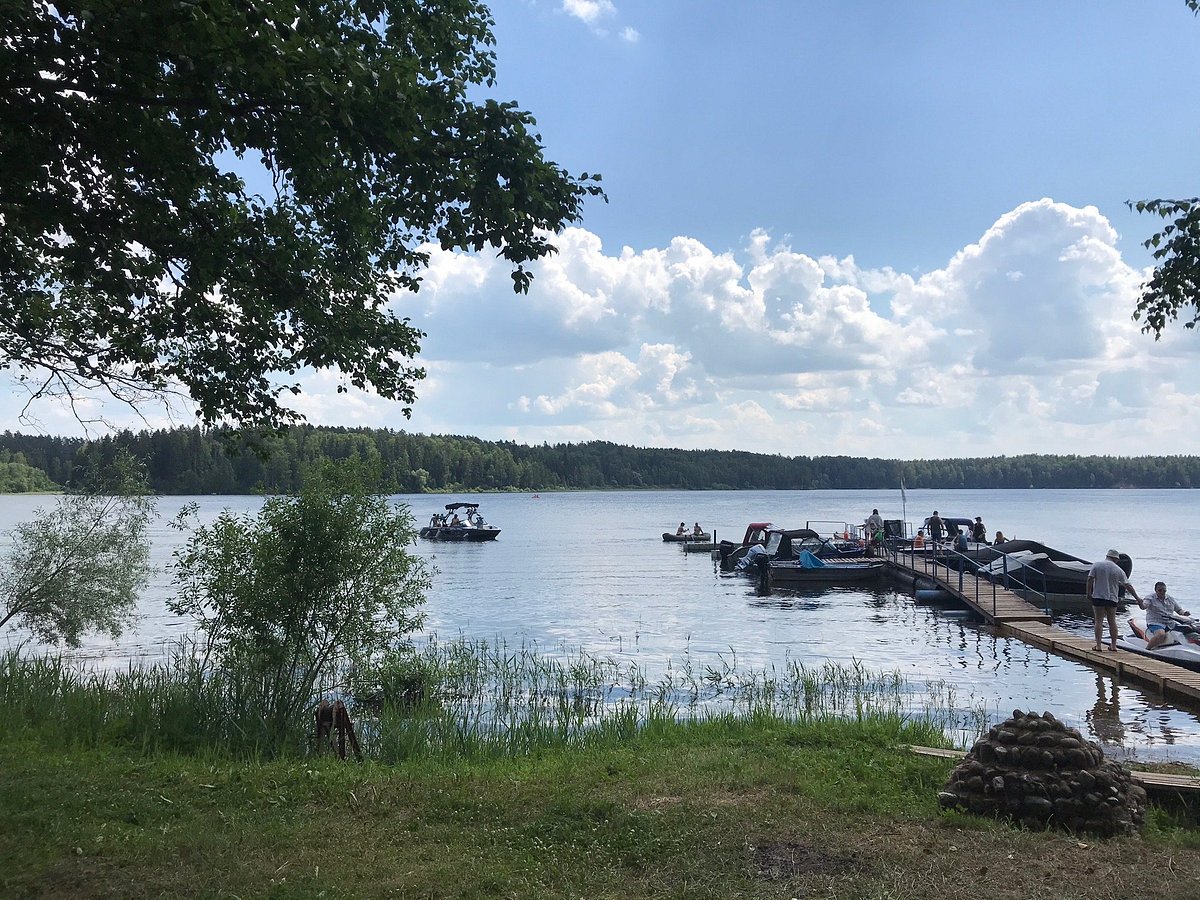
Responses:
[449,527]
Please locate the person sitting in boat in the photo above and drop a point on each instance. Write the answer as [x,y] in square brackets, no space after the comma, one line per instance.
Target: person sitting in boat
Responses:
[999,539]
[681,530]
[435,520]
[697,530]
[455,521]
[1160,607]
[919,540]
[960,540]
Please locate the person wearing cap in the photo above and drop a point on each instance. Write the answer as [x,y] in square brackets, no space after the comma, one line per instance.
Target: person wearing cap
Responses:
[1104,582]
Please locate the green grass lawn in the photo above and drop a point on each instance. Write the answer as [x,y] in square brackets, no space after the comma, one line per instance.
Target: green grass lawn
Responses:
[727,808]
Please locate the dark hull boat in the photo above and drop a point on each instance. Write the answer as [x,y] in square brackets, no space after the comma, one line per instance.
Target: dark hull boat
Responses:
[460,533]
[1035,567]
[448,526]
[690,538]
[807,569]
[796,574]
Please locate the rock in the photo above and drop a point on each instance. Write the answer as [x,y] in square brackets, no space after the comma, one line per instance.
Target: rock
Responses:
[1034,770]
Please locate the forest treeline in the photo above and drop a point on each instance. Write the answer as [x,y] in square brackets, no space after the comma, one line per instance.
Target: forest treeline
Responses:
[199,461]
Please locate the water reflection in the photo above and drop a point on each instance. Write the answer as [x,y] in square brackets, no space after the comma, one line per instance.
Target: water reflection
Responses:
[1104,718]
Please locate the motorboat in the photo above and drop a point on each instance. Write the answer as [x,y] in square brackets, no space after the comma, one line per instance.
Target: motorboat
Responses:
[449,526]
[756,536]
[1178,648]
[1040,568]
[809,569]
[945,551]
[765,540]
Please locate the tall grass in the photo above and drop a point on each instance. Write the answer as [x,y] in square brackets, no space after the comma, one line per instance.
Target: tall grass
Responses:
[450,700]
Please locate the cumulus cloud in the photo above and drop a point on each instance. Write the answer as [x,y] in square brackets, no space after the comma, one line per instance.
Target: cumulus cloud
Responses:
[1021,342]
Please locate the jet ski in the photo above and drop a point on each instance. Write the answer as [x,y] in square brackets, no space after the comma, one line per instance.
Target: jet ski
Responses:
[1177,649]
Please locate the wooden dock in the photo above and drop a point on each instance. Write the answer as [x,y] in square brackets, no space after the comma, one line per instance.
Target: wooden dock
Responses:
[996,604]
[1016,617]
[1153,782]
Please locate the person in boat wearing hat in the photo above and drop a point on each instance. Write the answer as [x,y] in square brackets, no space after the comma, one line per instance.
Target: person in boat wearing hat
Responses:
[1104,582]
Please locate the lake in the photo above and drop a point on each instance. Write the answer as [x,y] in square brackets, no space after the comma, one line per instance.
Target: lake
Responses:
[589,572]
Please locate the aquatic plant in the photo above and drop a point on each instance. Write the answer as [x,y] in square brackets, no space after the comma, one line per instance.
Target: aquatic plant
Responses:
[464,698]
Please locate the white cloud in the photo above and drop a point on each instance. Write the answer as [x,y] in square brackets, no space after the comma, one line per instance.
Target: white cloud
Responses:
[589,11]
[597,14]
[773,349]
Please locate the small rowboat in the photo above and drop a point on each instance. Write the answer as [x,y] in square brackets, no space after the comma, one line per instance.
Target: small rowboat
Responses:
[689,538]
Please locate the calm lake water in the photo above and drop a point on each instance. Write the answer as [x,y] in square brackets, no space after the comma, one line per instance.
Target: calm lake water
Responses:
[588,572]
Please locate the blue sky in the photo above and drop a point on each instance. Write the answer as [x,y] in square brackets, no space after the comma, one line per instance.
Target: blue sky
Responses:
[869,228]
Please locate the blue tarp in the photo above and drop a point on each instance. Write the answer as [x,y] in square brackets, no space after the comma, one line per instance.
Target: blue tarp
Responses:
[808,561]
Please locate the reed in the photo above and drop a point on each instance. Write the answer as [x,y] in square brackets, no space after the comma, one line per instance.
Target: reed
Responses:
[467,699]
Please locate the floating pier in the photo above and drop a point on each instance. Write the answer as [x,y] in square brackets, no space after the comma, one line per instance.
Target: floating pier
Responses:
[1016,617]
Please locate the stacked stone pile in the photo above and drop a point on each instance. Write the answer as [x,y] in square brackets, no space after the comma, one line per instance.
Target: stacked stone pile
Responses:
[1034,770]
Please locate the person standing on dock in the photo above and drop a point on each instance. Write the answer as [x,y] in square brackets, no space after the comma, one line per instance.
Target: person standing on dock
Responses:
[936,527]
[1104,582]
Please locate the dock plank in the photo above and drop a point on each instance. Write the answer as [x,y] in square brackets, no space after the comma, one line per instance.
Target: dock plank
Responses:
[1161,782]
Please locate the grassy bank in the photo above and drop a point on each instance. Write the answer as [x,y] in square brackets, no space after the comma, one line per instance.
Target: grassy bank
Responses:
[548,787]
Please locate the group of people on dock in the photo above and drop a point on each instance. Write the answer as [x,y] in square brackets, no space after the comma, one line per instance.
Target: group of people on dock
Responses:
[959,537]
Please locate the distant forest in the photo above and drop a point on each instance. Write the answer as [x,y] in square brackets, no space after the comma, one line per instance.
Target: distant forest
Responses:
[198,461]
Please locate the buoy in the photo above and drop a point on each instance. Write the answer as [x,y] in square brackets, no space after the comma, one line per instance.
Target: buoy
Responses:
[932,595]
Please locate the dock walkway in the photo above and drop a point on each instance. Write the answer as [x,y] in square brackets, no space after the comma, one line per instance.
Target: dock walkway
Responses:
[1016,617]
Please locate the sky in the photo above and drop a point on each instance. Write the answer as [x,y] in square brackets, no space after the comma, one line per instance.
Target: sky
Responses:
[849,228]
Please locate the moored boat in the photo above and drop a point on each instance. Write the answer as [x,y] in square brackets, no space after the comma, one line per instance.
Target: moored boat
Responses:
[449,526]
[1040,568]
[808,569]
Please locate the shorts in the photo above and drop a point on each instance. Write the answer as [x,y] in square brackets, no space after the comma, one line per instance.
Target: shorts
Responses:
[1151,629]
[1102,603]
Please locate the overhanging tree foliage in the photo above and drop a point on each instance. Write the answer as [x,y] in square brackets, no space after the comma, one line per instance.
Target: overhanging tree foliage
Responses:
[1173,291]
[135,252]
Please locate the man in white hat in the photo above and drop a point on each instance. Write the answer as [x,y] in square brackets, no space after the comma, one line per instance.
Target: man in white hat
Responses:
[1104,582]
